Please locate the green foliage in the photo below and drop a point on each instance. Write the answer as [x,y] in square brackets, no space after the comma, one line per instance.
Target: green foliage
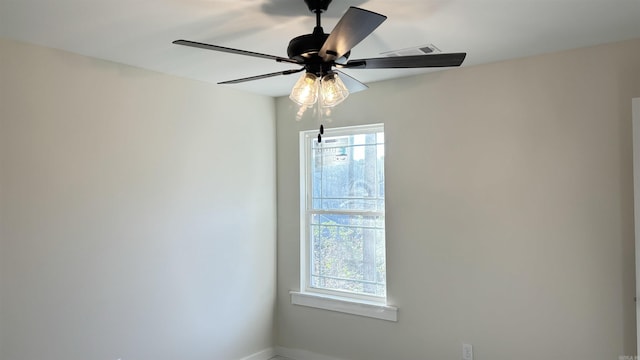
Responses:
[339,258]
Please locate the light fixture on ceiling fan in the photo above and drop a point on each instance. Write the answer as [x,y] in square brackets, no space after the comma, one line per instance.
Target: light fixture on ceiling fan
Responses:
[320,53]
[329,90]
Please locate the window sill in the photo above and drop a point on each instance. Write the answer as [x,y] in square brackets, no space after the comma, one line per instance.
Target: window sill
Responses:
[344,305]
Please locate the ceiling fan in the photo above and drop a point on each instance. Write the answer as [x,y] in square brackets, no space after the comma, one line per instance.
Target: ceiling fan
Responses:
[321,55]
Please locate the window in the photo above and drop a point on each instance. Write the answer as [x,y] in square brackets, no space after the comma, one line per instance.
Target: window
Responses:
[342,219]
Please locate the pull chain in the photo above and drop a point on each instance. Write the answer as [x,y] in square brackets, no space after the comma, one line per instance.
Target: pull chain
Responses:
[320,116]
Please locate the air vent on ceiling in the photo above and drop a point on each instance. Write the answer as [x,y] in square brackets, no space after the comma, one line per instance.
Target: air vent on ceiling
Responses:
[418,50]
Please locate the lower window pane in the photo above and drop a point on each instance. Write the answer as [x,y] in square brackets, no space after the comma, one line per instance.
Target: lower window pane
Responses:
[348,253]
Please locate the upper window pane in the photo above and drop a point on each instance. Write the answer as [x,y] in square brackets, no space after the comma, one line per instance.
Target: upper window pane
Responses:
[347,172]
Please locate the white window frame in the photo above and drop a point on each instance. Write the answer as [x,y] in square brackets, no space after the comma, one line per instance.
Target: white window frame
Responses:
[351,303]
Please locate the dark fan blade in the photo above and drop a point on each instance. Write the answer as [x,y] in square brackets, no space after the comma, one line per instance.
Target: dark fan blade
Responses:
[415,61]
[352,84]
[258,77]
[233,51]
[355,25]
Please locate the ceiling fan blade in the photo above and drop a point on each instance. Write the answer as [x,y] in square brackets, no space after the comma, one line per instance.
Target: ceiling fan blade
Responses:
[233,51]
[264,76]
[354,26]
[352,84]
[414,61]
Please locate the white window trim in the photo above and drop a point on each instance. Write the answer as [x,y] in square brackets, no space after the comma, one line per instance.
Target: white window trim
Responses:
[345,305]
[355,304]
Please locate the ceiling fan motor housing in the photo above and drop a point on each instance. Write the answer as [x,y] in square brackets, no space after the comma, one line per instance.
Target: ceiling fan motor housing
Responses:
[305,46]
[305,49]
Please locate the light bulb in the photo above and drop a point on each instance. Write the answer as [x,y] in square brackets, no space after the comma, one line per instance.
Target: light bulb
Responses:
[332,90]
[305,91]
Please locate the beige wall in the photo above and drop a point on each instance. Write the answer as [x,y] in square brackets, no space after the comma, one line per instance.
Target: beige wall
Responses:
[137,213]
[509,212]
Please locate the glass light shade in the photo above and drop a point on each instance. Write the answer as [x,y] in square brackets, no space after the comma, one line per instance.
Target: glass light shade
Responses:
[305,91]
[332,90]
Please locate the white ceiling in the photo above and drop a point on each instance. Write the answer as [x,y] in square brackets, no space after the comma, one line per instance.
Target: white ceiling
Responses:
[140,32]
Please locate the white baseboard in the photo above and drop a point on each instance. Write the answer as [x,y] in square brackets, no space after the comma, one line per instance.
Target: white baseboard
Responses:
[280,352]
[265,354]
[297,354]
